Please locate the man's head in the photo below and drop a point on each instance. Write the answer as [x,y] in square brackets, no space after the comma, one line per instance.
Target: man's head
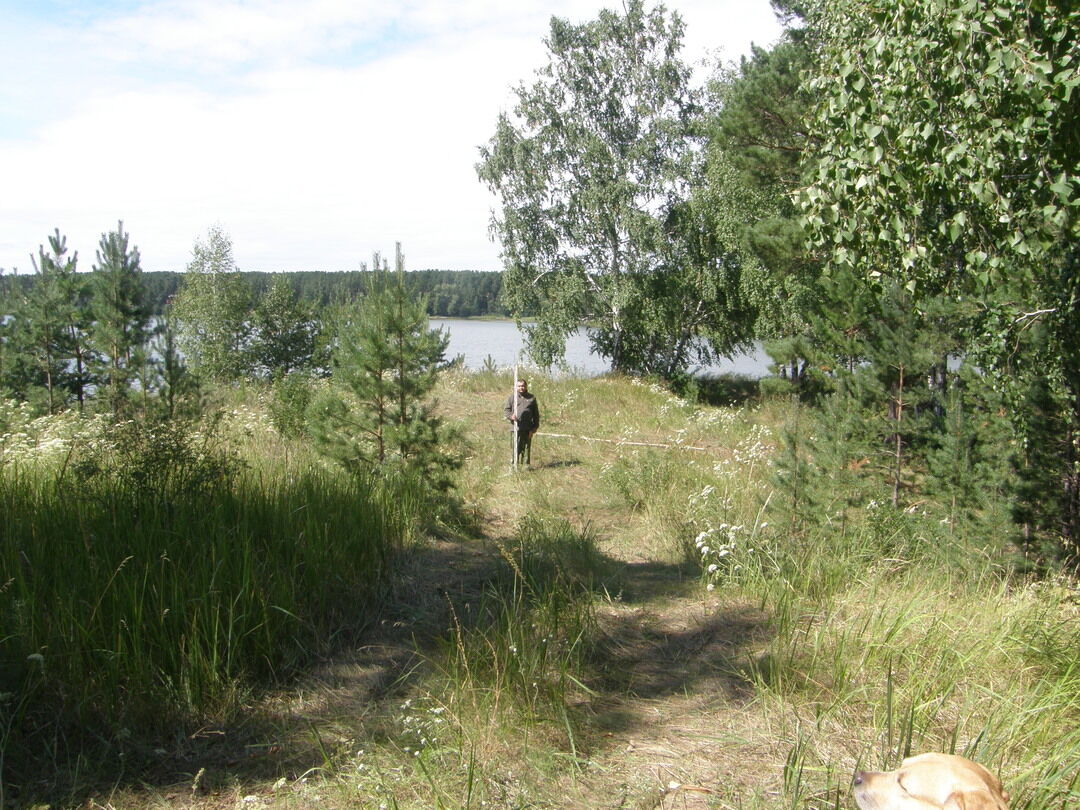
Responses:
[522,386]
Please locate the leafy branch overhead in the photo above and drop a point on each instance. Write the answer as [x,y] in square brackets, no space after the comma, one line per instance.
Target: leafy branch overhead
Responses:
[950,141]
[949,164]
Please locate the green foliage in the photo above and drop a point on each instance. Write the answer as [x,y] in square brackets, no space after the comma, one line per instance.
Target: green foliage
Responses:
[212,311]
[526,643]
[959,120]
[120,319]
[50,327]
[150,582]
[291,396]
[1049,452]
[44,351]
[159,461]
[385,365]
[890,389]
[638,478]
[756,156]
[799,498]
[969,459]
[179,393]
[898,423]
[285,333]
[592,172]
[947,164]
[449,293]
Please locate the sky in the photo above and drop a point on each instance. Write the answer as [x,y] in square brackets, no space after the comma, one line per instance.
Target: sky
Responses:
[313,132]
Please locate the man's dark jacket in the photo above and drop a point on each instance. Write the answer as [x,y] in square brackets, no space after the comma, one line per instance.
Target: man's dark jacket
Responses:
[528,412]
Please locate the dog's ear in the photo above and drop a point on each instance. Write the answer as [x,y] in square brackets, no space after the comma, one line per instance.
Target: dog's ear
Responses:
[973,800]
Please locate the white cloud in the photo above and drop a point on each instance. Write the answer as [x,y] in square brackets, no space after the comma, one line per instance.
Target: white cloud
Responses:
[312,132]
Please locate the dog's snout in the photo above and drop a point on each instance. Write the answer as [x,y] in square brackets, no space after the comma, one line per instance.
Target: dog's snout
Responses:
[859,775]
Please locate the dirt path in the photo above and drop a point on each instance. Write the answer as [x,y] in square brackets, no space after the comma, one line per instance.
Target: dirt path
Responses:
[675,719]
[673,723]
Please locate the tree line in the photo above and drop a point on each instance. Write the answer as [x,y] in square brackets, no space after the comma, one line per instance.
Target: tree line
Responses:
[887,197]
[447,293]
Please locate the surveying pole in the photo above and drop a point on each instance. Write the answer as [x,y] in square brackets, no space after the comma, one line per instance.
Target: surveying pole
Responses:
[514,422]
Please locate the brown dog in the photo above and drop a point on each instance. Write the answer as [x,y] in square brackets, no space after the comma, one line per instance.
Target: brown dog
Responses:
[931,782]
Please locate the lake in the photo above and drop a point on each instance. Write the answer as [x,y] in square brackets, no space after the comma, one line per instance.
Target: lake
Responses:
[504,344]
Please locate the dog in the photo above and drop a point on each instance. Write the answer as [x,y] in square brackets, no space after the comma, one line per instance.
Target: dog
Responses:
[931,782]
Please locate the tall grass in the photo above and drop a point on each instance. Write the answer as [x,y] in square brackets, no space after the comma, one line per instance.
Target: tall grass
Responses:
[151,586]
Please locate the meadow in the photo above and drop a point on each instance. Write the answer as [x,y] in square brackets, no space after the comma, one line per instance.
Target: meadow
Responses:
[646,617]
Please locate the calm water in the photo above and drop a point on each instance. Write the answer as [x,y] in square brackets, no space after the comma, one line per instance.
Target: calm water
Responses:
[502,341]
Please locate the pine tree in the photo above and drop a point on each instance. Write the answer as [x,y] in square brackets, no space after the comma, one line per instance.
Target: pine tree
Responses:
[178,394]
[120,318]
[77,323]
[968,459]
[795,478]
[48,329]
[384,368]
[43,319]
[13,365]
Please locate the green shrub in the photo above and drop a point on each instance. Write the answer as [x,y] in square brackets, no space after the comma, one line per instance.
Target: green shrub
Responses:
[291,395]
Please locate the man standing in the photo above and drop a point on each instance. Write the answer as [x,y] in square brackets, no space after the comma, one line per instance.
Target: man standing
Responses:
[522,410]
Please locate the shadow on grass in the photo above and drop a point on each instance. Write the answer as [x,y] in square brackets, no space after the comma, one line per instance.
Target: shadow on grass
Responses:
[352,697]
[552,465]
[645,657]
[728,389]
[285,730]
[640,649]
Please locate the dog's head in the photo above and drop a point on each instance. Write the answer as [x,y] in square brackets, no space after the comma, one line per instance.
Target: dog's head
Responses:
[931,782]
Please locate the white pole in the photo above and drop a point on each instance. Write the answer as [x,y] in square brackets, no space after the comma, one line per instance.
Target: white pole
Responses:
[513,412]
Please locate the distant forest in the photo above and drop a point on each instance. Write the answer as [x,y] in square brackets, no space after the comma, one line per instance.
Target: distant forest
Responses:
[449,293]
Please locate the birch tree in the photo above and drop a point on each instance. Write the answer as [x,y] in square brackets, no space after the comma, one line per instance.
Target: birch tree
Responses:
[592,172]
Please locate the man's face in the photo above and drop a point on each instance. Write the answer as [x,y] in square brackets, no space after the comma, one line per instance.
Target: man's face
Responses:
[522,387]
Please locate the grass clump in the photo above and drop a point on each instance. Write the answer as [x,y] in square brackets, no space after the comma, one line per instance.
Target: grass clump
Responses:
[519,653]
[497,708]
[153,578]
